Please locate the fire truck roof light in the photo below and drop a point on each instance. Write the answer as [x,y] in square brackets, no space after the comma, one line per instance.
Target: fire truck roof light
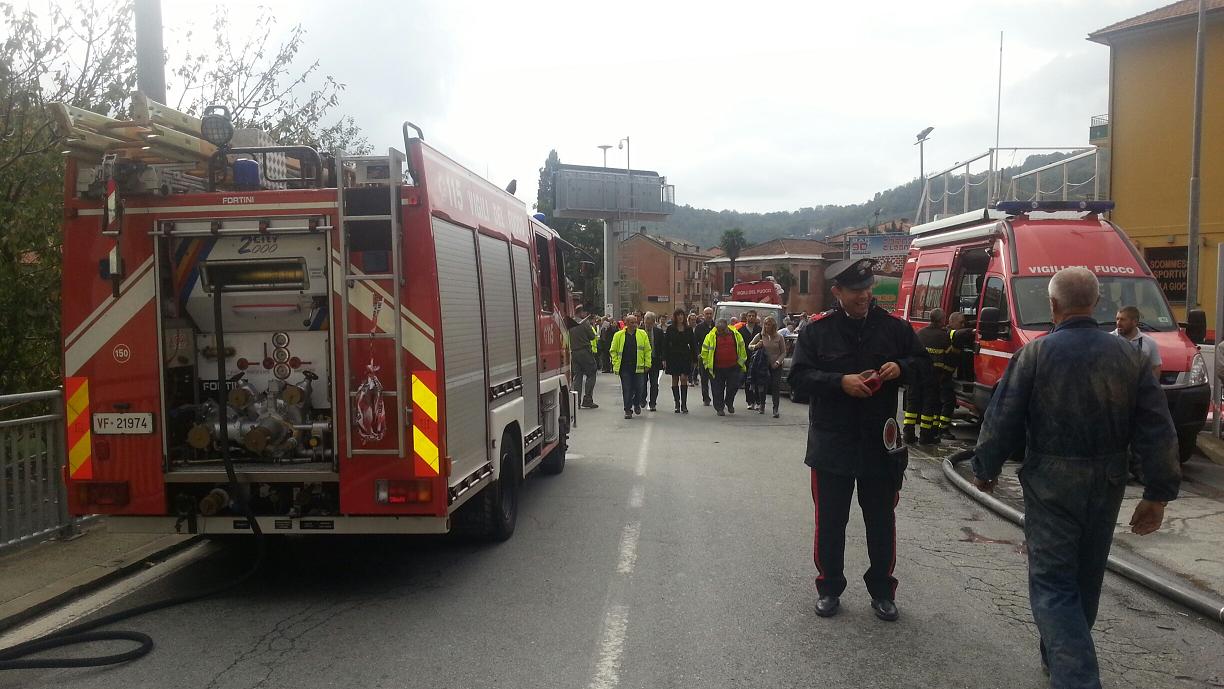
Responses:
[216,126]
[1021,207]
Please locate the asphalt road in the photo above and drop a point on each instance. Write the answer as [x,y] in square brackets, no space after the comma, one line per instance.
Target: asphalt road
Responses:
[675,551]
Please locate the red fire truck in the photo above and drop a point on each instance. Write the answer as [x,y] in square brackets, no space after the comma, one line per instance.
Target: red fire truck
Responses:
[355,344]
[994,265]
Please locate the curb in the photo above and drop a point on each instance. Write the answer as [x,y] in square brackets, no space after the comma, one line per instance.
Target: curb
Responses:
[1211,447]
[59,592]
[1171,588]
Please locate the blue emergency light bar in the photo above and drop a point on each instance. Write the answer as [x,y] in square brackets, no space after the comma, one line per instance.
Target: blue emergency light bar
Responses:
[1021,207]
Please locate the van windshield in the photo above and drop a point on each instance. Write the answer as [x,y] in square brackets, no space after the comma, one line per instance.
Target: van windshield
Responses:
[1033,302]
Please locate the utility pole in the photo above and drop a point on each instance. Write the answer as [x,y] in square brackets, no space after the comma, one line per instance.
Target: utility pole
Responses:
[150,57]
[1196,143]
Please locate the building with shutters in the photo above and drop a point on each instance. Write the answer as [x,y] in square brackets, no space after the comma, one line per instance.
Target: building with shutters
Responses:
[662,274]
[803,259]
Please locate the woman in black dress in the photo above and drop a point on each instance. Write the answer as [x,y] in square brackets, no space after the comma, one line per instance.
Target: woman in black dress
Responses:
[679,353]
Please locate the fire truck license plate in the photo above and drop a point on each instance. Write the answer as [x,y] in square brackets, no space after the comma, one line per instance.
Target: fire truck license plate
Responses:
[123,424]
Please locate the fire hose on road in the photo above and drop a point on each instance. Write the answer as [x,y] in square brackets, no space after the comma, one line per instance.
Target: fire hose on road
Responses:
[1192,598]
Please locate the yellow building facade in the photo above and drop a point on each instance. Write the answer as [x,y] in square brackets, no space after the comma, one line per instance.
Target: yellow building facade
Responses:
[1151,104]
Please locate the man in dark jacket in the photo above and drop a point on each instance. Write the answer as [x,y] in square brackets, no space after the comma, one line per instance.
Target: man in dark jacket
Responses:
[700,331]
[851,360]
[583,363]
[650,323]
[1078,402]
[606,331]
[750,329]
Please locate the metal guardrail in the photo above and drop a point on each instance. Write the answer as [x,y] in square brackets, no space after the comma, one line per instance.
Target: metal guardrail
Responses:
[33,498]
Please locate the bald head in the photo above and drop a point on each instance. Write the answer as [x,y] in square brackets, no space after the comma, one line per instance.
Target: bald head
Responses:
[1073,292]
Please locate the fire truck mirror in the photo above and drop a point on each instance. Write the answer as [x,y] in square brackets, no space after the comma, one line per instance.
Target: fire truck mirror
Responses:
[990,325]
[1196,326]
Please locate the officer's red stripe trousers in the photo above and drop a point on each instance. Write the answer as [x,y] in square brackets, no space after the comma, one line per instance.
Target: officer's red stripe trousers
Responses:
[816,531]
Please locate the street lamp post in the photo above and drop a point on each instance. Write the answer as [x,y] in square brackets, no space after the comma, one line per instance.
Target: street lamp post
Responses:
[921,144]
[604,148]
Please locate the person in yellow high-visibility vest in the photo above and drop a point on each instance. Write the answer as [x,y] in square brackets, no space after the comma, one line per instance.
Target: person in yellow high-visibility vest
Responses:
[631,358]
[723,354]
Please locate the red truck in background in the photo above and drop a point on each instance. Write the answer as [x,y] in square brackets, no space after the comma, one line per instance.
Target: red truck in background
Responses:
[758,291]
[393,325]
[995,267]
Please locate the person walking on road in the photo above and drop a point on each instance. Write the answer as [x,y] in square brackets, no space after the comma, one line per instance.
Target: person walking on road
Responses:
[650,323]
[583,347]
[700,331]
[693,320]
[724,356]
[772,344]
[1078,403]
[1130,324]
[630,352]
[679,351]
[749,330]
[850,361]
[606,331]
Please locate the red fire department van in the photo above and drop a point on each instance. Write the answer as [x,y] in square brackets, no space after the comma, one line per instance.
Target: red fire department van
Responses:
[995,266]
[373,344]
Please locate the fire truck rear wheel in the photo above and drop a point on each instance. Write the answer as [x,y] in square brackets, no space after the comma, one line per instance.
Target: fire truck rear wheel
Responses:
[491,515]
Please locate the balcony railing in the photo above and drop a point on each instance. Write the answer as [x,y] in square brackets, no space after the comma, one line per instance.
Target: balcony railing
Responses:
[1098,128]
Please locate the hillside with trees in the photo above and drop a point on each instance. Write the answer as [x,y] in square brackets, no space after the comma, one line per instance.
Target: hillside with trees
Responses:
[705,227]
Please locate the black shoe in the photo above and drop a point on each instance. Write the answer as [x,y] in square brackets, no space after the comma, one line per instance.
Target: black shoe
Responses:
[720,412]
[637,410]
[775,413]
[730,409]
[677,409]
[628,414]
[827,606]
[928,437]
[588,405]
[652,407]
[761,409]
[909,435]
[885,609]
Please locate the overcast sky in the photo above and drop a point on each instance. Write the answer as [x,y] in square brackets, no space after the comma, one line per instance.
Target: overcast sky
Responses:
[754,106]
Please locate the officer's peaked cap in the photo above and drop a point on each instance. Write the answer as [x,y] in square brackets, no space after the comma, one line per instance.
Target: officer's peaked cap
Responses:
[852,273]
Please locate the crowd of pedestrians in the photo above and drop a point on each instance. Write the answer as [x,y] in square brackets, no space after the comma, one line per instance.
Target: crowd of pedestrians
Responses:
[687,348]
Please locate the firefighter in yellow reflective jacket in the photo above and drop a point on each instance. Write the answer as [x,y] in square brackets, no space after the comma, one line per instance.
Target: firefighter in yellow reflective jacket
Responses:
[630,352]
[723,354]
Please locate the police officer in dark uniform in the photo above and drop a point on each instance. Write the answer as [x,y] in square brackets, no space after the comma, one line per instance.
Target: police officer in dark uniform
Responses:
[852,360]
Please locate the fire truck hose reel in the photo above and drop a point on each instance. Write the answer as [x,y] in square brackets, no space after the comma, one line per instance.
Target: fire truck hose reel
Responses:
[17,657]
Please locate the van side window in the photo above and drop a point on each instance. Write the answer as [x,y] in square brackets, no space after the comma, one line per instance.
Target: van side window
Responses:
[544,265]
[928,294]
[995,295]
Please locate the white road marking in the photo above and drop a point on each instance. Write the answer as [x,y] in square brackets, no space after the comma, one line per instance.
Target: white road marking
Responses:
[628,547]
[636,497]
[611,647]
[616,613]
[83,607]
[642,451]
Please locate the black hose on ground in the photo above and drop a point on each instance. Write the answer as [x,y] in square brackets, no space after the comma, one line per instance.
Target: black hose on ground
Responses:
[17,657]
[1192,598]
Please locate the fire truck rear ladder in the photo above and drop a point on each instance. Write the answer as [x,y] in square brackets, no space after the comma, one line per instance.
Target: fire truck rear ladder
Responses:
[350,276]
